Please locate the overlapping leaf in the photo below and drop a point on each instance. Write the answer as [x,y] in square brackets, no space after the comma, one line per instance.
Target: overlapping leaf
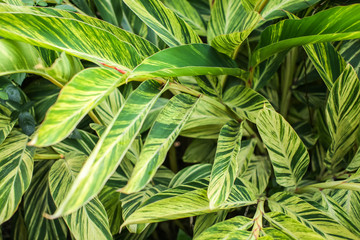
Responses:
[159,140]
[287,152]
[80,95]
[190,174]
[111,147]
[16,166]
[6,124]
[342,111]
[108,108]
[225,167]
[281,36]
[164,22]
[205,221]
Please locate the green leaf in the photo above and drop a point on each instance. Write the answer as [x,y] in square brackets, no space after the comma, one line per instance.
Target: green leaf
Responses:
[342,111]
[281,36]
[76,99]
[108,108]
[6,125]
[111,147]
[163,133]
[291,227]
[16,166]
[88,222]
[37,201]
[192,198]
[230,24]
[188,13]
[309,216]
[245,155]
[164,22]
[200,151]
[205,221]
[245,102]
[110,11]
[355,162]
[349,51]
[288,154]
[190,174]
[233,228]
[187,60]
[226,166]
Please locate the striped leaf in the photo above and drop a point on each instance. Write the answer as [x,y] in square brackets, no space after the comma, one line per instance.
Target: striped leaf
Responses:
[225,167]
[350,52]
[280,36]
[37,201]
[245,155]
[186,200]
[6,125]
[230,24]
[309,216]
[76,99]
[108,108]
[291,227]
[88,222]
[355,162]
[205,221]
[327,61]
[190,174]
[342,111]
[245,102]
[110,11]
[163,133]
[200,151]
[111,147]
[270,233]
[288,154]
[110,199]
[164,22]
[188,13]
[233,228]
[16,166]
[188,60]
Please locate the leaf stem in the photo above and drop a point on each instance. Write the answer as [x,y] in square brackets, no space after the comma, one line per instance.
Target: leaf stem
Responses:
[330,185]
[257,227]
[48,156]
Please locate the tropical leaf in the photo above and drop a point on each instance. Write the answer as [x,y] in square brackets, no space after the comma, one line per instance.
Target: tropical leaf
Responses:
[164,22]
[245,102]
[76,99]
[355,162]
[6,124]
[154,112]
[193,198]
[226,166]
[230,24]
[16,166]
[37,201]
[205,221]
[270,233]
[350,52]
[88,222]
[190,174]
[108,108]
[200,151]
[288,154]
[163,133]
[110,11]
[233,228]
[280,36]
[111,147]
[308,215]
[245,155]
[188,60]
[19,231]
[342,111]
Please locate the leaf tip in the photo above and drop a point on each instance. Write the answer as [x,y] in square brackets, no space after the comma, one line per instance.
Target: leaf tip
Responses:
[50,217]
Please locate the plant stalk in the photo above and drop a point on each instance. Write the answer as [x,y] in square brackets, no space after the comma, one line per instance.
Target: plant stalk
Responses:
[258,217]
[48,156]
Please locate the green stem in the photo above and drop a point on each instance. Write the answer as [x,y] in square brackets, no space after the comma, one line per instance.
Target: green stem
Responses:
[48,156]
[330,185]
[257,227]
[94,117]
[173,159]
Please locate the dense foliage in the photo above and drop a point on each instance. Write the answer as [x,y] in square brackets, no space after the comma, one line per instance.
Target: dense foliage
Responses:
[179,119]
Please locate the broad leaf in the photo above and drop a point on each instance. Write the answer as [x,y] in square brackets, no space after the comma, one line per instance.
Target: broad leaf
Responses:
[111,147]
[76,99]
[6,124]
[16,166]
[190,174]
[350,52]
[163,133]
[205,221]
[308,215]
[288,154]
[108,108]
[200,151]
[342,111]
[281,36]
[110,11]
[88,222]
[225,168]
[110,199]
[164,22]
[355,162]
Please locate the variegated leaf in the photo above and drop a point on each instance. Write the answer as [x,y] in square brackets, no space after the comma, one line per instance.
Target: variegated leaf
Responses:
[164,22]
[76,99]
[350,52]
[203,222]
[163,133]
[88,222]
[281,36]
[16,166]
[111,147]
[226,166]
[245,155]
[200,151]
[355,162]
[190,174]
[6,124]
[288,154]
[110,11]
[108,108]
[308,215]
[342,111]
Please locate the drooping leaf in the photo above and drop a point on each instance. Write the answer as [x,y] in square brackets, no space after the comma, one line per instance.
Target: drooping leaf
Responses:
[76,99]
[350,52]
[110,11]
[282,36]
[288,154]
[6,125]
[342,111]
[245,155]
[308,215]
[355,162]
[190,174]
[225,167]
[111,147]
[164,22]
[163,133]
[205,221]
[16,166]
[108,108]
[187,60]
[88,222]
[200,151]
